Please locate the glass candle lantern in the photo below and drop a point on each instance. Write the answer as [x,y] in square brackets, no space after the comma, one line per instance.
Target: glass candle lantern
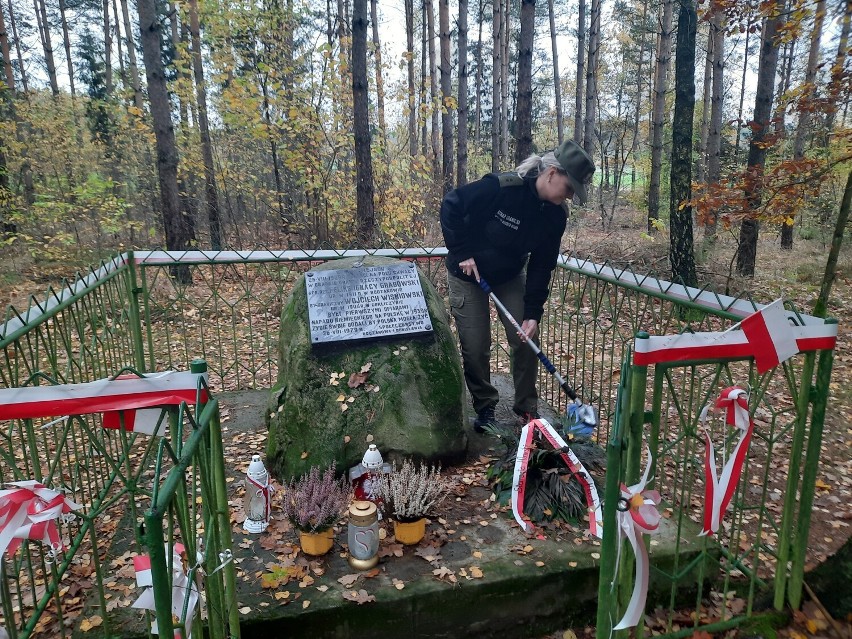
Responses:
[257,498]
[363,535]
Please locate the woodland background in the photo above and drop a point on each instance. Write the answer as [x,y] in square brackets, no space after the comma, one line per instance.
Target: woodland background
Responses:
[281,123]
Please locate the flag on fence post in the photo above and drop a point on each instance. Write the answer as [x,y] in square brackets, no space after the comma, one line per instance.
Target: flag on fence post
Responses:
[771,336]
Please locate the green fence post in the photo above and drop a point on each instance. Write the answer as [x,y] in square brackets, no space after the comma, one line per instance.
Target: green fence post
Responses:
[786,534]
[612,491]
[160,579]
[806,496]
[133,292]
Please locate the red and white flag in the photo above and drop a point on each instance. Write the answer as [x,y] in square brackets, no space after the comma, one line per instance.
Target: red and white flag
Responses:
[144,420]
[771,336]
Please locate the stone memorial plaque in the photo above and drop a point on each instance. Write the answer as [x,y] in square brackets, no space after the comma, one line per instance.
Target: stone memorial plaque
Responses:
[365,303]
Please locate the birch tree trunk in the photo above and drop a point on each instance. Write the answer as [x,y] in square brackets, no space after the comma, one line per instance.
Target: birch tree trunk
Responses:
[664,53]
[365,219]
[837,70]
[523,110]
[681,253]
[581,63]
[461,152]
[760,126]
[804,126]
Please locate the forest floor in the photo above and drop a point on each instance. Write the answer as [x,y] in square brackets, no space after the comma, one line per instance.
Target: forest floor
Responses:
[796,275]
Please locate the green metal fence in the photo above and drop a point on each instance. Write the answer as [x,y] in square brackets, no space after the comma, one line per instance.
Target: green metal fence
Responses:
[131,311]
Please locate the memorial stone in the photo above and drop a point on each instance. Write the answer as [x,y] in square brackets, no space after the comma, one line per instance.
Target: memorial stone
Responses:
[400,388]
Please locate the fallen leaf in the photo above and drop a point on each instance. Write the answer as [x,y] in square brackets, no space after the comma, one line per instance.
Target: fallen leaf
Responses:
[399,585]
[245,610]
[348,580]
[369,438]
[356,379]
[304,455]
[305,604]
[347,439]
[344,408]
[476,572]
[341,398]
[366,367]
[358,596]
[90,622]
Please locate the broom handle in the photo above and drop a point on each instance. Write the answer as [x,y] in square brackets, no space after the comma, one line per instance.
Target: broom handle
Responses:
[541,356]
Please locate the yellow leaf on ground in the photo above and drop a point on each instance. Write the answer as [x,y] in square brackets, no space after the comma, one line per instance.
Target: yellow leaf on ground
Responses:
[304,455]
[91,622]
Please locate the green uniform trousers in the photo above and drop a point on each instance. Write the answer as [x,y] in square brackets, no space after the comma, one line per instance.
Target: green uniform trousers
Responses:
[470,306]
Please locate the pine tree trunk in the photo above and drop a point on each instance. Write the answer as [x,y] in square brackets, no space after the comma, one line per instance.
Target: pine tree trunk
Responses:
[504,81]
[107,49]
[380,85]
[9,73]
[464,69]
[424,79]
[365,221]
[681,254]
[664,53]
[581,63]
[66,39]
[701,164]
[557,85]
[591,83]
[838,74]
[412,91]
[176,226]
[17,40]
[477,90]
[637,111]
[496,92]
[523,111]
[210,194]
[803,129]
[714,137]
[749,230]
[47,44]
[135,81]
[435,98]
[740,110]
[447,169]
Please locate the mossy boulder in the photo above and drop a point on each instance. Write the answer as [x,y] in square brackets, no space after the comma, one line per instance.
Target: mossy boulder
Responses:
[410,405]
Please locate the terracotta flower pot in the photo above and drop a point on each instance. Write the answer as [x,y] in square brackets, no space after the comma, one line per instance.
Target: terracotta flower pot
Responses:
[317,543]
[409,533]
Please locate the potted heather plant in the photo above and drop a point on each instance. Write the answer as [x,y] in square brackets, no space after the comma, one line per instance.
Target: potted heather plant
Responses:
[314,504]
[409,494]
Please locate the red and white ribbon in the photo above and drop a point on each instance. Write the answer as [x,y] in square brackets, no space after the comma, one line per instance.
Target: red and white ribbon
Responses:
[124,393]
[719,490]
[29,511]
[639,516]
[519,479]
[266,491]
[182,589]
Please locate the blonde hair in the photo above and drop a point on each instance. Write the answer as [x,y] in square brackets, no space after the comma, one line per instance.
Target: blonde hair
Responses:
[537,164]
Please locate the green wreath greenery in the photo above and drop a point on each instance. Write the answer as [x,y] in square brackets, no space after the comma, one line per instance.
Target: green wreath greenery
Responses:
[552,491]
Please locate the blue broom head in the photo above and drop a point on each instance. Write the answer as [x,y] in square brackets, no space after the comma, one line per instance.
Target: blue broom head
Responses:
[582,419]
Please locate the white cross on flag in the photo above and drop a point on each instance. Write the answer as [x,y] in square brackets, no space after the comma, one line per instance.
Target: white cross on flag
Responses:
[771,336]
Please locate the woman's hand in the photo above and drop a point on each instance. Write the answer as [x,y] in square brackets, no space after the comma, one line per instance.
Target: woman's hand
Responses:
[529,329]
[468,267]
